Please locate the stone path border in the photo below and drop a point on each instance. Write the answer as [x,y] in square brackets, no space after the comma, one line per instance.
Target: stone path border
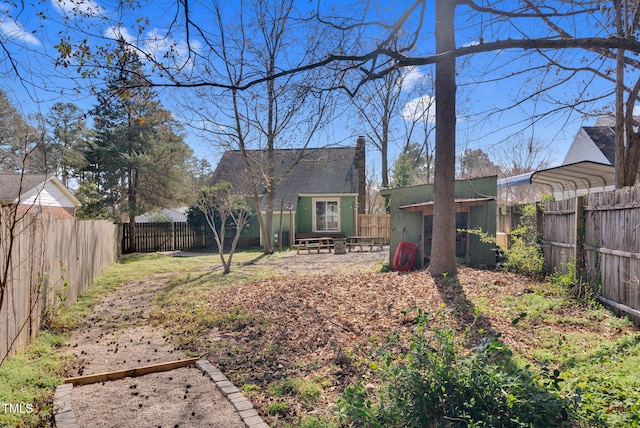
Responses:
[65,418]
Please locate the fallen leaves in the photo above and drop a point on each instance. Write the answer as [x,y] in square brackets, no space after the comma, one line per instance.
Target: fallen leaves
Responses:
[327,327]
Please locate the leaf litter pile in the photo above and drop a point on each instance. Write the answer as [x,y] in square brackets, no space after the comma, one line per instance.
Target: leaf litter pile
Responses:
[296,342]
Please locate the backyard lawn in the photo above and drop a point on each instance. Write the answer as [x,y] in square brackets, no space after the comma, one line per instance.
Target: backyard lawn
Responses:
[310,338]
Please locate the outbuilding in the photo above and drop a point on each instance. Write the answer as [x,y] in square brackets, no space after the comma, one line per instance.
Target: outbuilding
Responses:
[412,207]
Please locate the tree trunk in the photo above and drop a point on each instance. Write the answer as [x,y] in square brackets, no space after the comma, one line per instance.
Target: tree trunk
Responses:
[619,174]
[632,158]
[443,253]
[384,151]
[268,221]
[132,208]
[271,136]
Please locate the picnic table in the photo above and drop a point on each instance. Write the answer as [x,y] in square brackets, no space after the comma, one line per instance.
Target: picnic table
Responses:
[314,243]
[361,241]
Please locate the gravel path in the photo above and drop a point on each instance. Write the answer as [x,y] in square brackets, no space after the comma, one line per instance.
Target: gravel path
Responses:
[117,336]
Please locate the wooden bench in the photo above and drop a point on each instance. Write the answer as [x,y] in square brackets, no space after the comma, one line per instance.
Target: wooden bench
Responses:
[366,241]
[315,241]
[313,244]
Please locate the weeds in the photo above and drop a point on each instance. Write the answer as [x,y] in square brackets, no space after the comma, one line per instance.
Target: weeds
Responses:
[27,380]
[278,408]
[385,267]
[435,384]
[308,391]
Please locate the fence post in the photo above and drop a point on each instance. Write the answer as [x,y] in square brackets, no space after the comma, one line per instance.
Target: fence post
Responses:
[539,222]
[579,238]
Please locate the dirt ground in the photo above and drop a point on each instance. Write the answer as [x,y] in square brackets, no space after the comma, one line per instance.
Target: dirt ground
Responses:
[118,335]
[317,319]
[324,262]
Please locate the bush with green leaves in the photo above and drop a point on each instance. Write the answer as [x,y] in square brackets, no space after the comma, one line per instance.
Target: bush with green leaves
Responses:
[436,385]
[525,254]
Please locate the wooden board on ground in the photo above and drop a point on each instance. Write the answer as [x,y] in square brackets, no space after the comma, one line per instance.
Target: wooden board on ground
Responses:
[140,371]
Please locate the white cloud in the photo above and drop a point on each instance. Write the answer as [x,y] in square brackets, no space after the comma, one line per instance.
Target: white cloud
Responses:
[157,45]
[471,43]
[421,108]
[87,8]
[412,76]
[116,33]
[14,31]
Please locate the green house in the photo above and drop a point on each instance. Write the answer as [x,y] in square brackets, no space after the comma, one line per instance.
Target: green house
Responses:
[411,210]
[317,191]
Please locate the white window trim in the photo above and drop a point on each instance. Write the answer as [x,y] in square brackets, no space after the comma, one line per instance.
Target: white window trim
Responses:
[313,212]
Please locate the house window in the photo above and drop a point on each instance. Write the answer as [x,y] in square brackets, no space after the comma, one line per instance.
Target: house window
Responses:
[326,215]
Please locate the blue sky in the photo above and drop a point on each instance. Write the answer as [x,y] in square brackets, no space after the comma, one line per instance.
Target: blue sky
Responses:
[31,30]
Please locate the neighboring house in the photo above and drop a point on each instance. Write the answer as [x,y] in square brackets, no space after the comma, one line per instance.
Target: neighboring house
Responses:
[588,166]
[38,193]
[174,215]
[318,191]
[594,144]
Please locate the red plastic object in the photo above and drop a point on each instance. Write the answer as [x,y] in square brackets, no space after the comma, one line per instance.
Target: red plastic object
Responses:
[405,257]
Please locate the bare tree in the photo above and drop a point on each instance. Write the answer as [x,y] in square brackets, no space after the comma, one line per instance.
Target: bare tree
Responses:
[374,203]
[223,210]
[400,42]
[274,115]
[19,143]
[377,104]
[521,156]
[419,116]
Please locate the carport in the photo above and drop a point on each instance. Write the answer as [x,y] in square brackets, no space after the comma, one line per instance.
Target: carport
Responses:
[567,181]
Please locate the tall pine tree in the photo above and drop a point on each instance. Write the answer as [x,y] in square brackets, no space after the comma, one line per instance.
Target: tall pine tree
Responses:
[138,157]
[66,144]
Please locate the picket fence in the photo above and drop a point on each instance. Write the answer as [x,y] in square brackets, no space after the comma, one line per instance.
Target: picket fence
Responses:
[599,234]
[51,262]
[165,236]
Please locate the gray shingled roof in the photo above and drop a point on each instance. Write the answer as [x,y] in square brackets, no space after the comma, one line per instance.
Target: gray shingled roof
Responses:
[319,171]
[12,185]
[604,138]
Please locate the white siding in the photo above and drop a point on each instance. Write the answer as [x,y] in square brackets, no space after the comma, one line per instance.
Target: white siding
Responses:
[49,196]
[583,149]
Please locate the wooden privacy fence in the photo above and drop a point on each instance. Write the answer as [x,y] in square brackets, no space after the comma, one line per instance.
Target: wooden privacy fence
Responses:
[375,225]
[51,263]
[169,236]
[600,233]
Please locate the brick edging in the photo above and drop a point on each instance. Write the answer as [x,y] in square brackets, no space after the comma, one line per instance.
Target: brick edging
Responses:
[241,403]
[62,407]
[65,418]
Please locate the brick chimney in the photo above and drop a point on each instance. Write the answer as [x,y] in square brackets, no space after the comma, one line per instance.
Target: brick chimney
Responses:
[362,174]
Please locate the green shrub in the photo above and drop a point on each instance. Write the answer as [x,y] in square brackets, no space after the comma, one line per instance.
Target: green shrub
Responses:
[385,267]
[524,254]
[434,385]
